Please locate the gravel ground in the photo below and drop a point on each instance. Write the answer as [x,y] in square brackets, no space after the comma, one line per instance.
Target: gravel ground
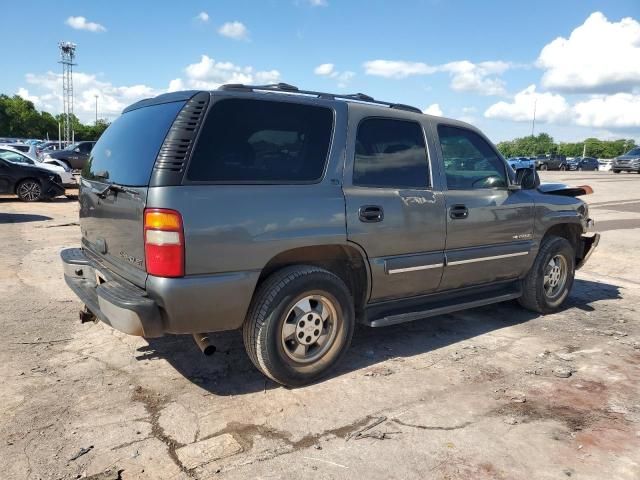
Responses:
[491,393]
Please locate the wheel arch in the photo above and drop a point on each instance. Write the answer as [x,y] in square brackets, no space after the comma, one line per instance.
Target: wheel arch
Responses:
[344,260]
[570,231]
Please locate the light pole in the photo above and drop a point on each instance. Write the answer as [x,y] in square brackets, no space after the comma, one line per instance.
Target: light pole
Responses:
[96,109]
[533,124]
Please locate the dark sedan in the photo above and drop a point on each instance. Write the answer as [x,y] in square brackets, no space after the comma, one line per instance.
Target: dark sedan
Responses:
[29,182]
[585,163]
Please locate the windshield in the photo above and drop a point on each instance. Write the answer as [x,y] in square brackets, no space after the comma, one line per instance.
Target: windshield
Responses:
[635,151]
[73,146]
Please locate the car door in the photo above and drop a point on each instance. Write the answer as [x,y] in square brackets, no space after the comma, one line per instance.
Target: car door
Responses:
[6,178]
[393,211]
[489,226]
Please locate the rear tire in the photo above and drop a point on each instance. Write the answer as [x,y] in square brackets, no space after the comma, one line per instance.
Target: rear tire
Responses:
[615,171]
[29,190]
[299,325]
[548,283]
[543,166]
[563,168]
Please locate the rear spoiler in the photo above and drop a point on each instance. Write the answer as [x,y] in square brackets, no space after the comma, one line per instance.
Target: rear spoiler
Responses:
[565,190]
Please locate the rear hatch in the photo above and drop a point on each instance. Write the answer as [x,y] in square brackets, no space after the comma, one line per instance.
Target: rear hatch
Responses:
[114,185]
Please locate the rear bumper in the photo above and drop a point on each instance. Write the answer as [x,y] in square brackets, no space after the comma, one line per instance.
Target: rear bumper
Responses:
[588,244]
[117,303]
[193,304]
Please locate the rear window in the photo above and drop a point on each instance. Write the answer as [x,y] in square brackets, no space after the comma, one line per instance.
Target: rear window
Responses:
[127,150]
[258,141]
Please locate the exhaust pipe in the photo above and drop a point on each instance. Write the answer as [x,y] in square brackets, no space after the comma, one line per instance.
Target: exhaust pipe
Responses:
[202,340]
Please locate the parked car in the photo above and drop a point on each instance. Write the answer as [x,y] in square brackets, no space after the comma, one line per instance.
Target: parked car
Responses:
[629,162]
[604,164]
[30,151]
[74,156]
[20,175]
[520,162]
[293,214]
[66,178]
[553,162]
[583,163]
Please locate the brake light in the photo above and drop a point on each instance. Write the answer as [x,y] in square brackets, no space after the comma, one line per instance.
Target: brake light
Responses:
[163,242]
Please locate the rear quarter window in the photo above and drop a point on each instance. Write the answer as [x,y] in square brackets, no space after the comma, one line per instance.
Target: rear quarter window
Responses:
[260,141]
[127,150]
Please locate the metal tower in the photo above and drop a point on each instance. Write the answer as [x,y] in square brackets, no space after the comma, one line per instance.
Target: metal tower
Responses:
[67,55]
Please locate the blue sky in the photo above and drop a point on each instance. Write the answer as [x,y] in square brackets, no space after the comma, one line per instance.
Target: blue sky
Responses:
[484,62]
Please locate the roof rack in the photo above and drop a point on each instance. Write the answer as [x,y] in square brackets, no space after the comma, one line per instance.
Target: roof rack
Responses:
[286,88]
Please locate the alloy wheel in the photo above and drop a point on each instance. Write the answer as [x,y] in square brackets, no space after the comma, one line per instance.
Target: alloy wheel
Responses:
[555,276]
[309,328]
[29,191]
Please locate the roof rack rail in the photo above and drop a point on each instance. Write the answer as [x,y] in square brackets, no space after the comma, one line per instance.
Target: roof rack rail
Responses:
[286,88]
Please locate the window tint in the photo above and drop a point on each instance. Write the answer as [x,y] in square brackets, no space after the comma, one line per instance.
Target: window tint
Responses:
[127,150]
[469,161]
[390,153]
[262,141]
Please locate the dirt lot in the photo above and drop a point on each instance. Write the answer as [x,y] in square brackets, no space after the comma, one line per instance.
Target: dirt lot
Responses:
[492,393]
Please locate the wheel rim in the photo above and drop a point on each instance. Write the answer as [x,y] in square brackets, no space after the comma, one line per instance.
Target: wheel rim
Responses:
[309,328]
[29,191]
[555,276]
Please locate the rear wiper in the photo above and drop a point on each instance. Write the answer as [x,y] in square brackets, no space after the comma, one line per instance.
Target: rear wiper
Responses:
[114,187]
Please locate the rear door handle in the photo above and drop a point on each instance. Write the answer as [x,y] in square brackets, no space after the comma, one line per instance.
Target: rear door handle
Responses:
[370,213]
[458,212]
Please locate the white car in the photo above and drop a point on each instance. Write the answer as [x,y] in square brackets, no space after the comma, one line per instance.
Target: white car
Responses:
[68,180]
[29,150]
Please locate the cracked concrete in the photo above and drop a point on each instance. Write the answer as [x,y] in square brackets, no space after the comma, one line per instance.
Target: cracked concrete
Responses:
[469,395]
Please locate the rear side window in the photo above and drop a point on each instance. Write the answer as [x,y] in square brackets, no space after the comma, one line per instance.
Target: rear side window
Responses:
[127,150]
[257,141]
[469,161]
[390,153]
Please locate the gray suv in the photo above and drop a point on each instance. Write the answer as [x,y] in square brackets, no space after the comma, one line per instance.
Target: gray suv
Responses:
[292,215]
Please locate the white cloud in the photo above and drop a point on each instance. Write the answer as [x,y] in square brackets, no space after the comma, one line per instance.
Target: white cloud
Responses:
[476,77]
[433,109]
[328,70]
[111,99]
[621,110]
[397,68]
[45,90]
[203,17]
[208,74]
[234,30]
[549,107]
[324,69]
[465,76]
[599,56]
[81,23]
[617,111]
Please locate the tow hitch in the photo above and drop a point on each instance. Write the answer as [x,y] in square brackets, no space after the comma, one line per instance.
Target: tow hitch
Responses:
[87,315]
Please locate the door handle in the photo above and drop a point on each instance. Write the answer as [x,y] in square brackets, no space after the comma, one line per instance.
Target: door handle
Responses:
[371,213]
[458,212]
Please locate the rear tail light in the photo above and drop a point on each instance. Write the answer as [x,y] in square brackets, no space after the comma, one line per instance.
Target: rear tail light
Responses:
[163,242]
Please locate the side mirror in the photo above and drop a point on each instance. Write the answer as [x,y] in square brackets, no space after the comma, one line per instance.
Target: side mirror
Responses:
[527,178]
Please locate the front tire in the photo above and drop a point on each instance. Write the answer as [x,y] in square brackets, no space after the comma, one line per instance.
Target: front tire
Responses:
[29,190]
[615,171]
[548,283]
[543,166]
[299,325]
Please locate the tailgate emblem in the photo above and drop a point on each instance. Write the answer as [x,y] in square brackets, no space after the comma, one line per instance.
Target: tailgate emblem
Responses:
[131,258]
